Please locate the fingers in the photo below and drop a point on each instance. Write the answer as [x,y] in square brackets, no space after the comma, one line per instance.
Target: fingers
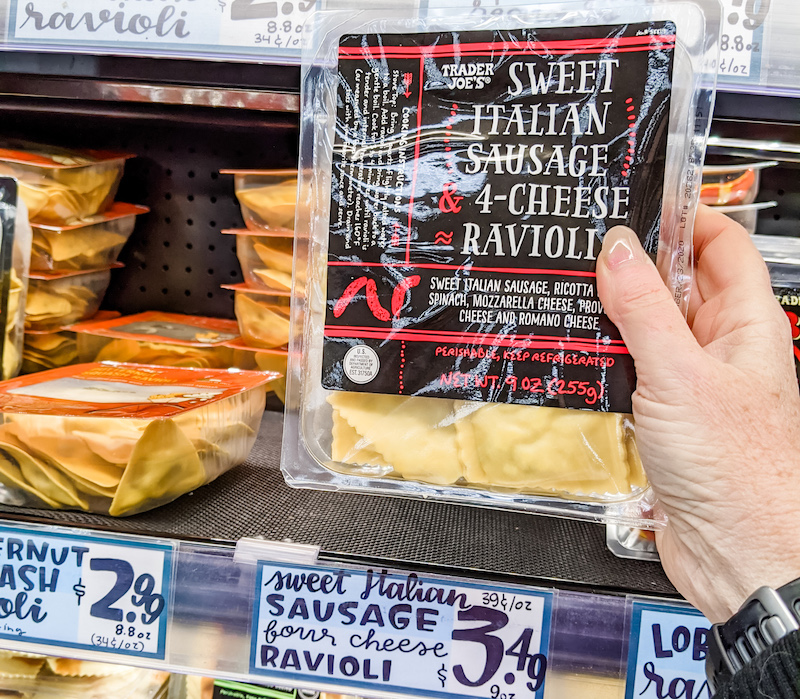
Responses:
[725,257]
[639,304]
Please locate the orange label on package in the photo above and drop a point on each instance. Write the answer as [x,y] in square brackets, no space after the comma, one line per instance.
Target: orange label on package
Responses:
[170,328]
[110,389]
[271,233]
[50,276]
[59,158]
[118,210]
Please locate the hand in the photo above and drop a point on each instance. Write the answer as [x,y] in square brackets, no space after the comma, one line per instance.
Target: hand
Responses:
[717,412]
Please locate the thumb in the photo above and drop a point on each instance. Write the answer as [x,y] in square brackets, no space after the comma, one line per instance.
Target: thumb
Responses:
[636,300]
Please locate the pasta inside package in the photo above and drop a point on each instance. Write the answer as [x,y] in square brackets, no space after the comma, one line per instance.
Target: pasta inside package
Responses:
[458,175]
[121,439]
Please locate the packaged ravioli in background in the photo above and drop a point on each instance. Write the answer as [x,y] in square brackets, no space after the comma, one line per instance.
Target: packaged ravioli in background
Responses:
[29,675]
[60,185]
[45,349]
[121,439]
[262,314]
[267,197]
[782,255]
[732,184]
[457,176]
[257,359]
[266,258]
[154,337]
[15,255]
[56,299]
[91,243]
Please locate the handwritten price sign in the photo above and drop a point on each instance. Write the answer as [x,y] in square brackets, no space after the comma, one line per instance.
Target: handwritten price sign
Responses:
[88,592]
[741,43]
[230,27]
[667,656]
[399,632]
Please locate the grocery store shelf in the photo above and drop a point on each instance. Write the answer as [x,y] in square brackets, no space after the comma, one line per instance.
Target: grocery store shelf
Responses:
[253,500]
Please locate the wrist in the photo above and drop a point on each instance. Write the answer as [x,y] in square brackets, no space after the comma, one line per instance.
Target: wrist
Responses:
[764,618]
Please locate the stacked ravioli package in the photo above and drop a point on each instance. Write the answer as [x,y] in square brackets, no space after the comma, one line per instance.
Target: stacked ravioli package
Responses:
[458,177]
[119,438]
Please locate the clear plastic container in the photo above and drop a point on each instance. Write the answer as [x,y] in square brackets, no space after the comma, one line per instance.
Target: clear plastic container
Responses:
[48,350]
[746,214]
[245,357]
[61,298]
[89,244]
[268,197]
[29,675]
[266,258]
[629,542]
[732,184]
[263,316]
[15,235]
[120,439]
[61,186]
[153,337]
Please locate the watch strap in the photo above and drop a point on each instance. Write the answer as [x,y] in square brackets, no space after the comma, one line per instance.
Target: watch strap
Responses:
[765,617]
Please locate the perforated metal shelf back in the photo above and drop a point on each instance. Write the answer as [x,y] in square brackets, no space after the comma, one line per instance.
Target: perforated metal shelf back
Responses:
[253,500]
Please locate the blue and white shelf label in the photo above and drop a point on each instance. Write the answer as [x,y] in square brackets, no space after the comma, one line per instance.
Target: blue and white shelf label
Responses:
[667,654]
[399,632]
[92,592]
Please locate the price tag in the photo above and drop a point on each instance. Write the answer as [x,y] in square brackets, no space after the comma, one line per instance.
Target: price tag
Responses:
[667,653]
[228,27]
[90,592]
[399,632]
[742,41]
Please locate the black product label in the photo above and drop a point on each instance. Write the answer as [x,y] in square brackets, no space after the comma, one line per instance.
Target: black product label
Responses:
[474,177]
[789,298]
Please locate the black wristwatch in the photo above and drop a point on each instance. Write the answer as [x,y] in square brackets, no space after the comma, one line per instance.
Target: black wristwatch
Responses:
[765,617]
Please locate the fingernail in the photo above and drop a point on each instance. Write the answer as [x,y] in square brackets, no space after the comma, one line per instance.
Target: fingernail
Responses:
[619,244]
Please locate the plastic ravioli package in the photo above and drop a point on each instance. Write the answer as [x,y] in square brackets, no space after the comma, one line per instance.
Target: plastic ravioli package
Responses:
[120,439]
[268,197]
[266,258]
[256,359]
[153,337]
[782,255]
[15,255]
[56,299]
[458,175]
[263,315]
[33,676]
[89,244]
[59,185]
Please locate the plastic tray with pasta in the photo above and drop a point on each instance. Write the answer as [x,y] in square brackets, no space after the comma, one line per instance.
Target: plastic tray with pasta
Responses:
[245,357]
[266,257]
[263,316]
[268,197]
[120,439]
[56,299]
[153,337]
[732,184]
[88,244]
[34,676]
[60,185]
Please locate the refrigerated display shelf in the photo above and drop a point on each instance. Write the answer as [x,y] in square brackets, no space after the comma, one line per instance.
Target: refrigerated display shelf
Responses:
[253,500]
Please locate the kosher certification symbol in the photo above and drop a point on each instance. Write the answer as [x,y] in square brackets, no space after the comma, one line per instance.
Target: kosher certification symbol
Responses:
[361,364]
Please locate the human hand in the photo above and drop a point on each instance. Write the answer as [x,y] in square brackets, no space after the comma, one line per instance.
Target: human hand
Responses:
[717,412]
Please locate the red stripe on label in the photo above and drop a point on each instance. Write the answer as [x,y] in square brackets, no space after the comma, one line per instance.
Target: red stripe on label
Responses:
[416,158]
[457,334]
[567,345]
[385,53]
[431,265]
[568,46]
